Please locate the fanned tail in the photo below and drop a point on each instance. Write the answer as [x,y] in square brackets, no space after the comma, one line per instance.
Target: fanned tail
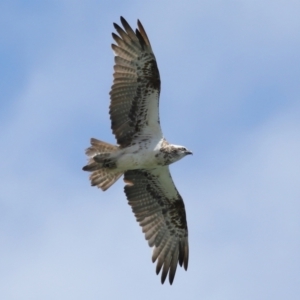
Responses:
[101,176]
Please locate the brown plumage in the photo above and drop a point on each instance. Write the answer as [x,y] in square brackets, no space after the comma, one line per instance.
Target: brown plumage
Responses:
[143,155]
[136,80]
[160,211]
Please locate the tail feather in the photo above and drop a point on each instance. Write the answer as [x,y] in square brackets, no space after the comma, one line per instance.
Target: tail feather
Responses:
[93,166]
[104,178]
[101,177]
[100,147]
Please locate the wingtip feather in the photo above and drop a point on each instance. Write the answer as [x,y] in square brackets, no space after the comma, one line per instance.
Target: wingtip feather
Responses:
[143,33]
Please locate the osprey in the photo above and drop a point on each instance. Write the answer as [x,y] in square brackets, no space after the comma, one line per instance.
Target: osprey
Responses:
[143,155]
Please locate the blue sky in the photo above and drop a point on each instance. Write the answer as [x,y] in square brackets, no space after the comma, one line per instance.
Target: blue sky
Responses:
[230,93]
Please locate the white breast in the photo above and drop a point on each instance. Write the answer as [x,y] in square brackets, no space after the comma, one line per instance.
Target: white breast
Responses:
[139,156]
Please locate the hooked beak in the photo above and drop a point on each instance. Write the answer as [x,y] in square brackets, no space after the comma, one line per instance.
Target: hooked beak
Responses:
[188,152]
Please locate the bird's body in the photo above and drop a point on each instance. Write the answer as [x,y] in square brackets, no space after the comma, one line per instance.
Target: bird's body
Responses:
[142,154]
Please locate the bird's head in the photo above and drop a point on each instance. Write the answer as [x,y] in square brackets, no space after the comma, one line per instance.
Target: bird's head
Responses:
[180,152]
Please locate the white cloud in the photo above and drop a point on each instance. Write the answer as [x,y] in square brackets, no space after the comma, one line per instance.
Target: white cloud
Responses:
[62,239]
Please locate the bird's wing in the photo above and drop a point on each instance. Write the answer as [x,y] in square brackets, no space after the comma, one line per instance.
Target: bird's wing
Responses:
[136,86]
[160,211]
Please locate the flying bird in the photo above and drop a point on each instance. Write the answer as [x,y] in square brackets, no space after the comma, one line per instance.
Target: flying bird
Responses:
[142,154]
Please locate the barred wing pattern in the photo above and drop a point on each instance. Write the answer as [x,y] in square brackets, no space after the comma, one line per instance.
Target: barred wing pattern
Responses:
[136,87]
[160,211]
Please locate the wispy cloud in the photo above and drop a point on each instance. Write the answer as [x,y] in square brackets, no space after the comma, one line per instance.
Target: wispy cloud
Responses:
[229,77]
